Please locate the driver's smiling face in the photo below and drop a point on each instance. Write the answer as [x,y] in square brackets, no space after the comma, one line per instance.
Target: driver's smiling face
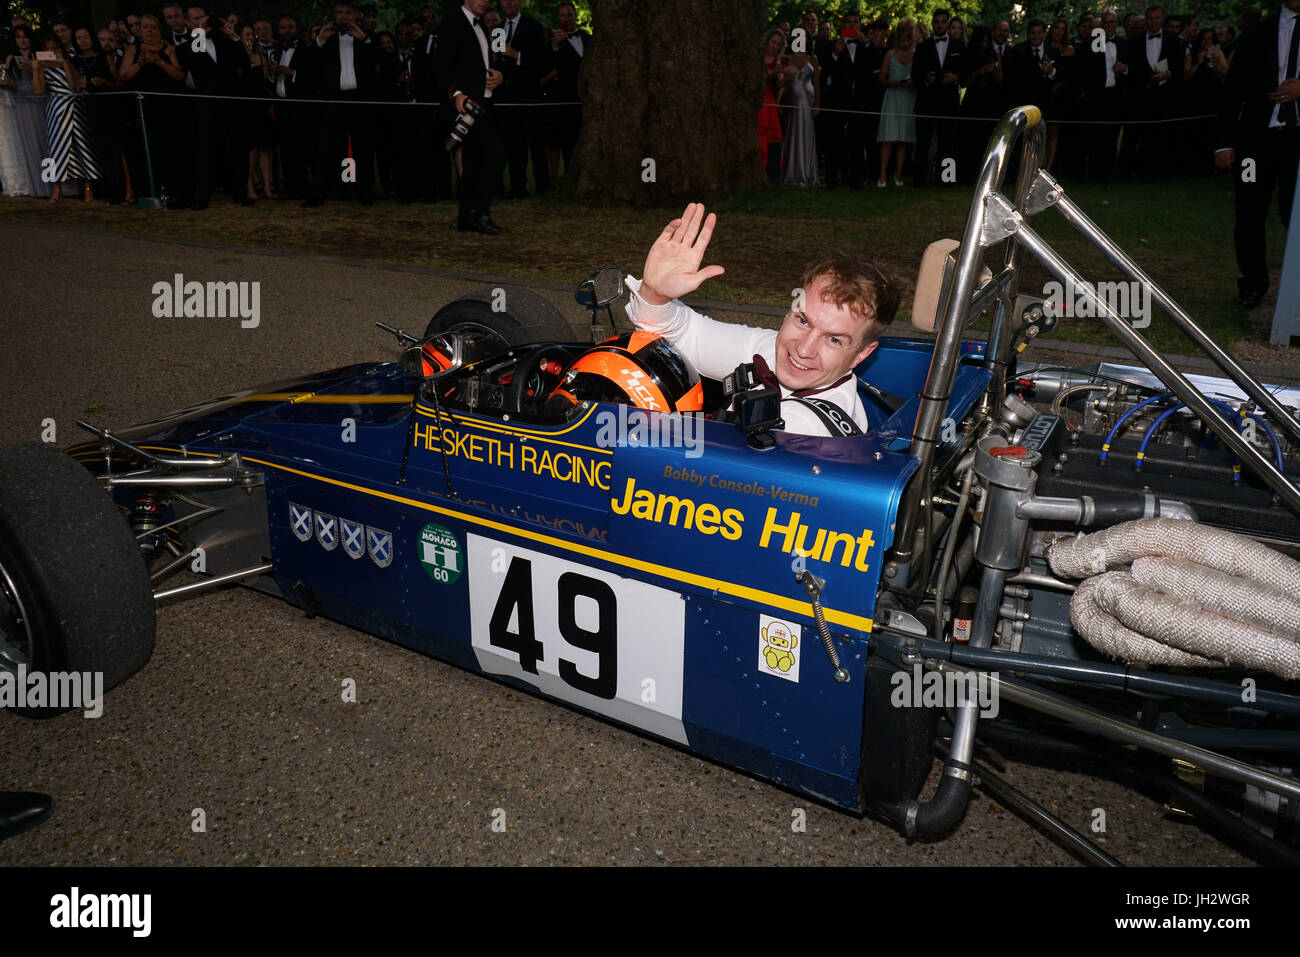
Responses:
[818,345]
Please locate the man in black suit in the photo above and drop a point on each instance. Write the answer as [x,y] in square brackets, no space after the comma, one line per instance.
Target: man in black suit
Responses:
[569,47]
[1030,69]
[220,127]
[524,61]
[845,88]
[937,67]
[427,127]
[1154,60]
[179,177]
[346,63]
[872,93]
[1101,76]
[466,76]
[1259,137]
[396,71]
[296,118]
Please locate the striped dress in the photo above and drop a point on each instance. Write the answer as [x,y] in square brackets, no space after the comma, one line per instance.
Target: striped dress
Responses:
[71,140]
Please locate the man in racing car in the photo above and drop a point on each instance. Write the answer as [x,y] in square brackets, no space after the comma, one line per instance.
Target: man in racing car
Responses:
[846,303]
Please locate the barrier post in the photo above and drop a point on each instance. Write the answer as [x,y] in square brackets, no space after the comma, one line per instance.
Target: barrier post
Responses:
[151,201]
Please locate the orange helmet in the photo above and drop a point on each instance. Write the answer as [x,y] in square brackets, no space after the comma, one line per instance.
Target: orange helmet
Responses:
[638,368]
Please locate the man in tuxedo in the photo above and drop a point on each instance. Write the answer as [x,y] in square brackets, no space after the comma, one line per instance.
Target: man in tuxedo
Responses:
[396,70]
[427,126]
[1155,77]
[296,116]
[220,127]
[852,60]
[1030,68]
[1073,140]
[177,30]
[872,94]
[569,47]
[264,37]
[1259,138]
[346,63]
[937,67]
[466,77]
[1101,75]
[841,140]
[524,61]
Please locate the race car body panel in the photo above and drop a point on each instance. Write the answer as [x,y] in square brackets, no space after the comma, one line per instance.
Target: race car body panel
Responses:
[638,566]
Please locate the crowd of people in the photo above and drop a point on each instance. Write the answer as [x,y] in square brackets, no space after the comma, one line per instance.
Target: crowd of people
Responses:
[272,108]
[1137,100]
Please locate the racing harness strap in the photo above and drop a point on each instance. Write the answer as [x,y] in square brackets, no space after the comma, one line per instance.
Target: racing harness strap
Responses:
[835,419]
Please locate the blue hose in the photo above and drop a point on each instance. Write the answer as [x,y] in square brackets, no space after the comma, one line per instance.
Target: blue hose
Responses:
[1119,423]
[1230,413]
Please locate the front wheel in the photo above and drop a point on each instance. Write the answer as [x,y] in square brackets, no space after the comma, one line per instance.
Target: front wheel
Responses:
[514,315]
[74,590]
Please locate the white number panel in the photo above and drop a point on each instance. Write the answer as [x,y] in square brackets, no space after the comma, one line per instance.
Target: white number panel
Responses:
[609,644]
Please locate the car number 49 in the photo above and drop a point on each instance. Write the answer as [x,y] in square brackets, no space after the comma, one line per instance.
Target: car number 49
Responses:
[610,644]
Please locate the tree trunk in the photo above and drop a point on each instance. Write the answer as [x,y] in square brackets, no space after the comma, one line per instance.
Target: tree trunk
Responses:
[670,102]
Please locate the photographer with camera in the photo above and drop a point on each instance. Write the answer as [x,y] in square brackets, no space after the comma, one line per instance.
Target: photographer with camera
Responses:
[466,75]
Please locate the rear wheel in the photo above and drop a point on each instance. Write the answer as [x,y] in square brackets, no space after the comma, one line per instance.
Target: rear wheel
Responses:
[74,591]
[522,317]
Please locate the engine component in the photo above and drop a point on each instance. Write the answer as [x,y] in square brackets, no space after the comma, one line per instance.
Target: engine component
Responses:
[1218,599]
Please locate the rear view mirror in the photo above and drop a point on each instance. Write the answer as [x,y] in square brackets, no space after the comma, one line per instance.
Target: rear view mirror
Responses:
[601,288]
[435,356]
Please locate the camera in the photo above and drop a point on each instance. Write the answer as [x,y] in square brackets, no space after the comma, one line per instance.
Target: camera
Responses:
[339,27]
[464,123]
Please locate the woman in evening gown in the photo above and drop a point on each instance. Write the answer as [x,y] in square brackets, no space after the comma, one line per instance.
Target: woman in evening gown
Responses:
[898,108]
[28,108]
[803,99]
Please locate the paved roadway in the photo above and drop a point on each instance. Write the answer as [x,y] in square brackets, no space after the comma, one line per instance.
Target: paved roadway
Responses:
[239,711]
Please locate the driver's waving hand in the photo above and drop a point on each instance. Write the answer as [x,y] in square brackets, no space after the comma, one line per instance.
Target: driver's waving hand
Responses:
[847,303]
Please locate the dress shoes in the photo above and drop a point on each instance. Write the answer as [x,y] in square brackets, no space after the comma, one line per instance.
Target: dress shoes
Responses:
[478,223]
[20,810]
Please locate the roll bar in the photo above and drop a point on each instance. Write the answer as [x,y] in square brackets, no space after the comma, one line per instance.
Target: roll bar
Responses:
[991,220]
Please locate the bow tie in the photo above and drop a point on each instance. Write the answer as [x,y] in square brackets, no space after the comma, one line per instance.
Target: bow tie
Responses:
[1153,36]
[942,39]
[478,21]
[764,374]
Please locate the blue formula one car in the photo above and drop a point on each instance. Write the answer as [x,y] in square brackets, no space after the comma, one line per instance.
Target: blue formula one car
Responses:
[830,614]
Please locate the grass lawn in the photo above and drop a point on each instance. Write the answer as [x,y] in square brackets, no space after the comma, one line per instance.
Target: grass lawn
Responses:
[1180,231]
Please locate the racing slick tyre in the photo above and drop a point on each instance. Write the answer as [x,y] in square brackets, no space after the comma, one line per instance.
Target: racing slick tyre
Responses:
[527,317]
[74,589]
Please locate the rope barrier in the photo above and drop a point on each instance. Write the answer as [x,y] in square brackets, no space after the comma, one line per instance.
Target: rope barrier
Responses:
[271,100]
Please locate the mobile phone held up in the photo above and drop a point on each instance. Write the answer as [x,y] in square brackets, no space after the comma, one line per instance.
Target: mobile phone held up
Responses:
[848,33]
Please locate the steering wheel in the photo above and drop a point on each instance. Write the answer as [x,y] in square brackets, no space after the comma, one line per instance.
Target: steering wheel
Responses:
[528,370]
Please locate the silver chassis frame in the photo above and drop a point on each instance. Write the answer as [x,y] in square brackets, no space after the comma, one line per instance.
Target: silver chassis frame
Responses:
[994,219]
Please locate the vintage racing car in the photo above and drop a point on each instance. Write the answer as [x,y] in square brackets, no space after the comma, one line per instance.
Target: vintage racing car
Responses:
[1017,557]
